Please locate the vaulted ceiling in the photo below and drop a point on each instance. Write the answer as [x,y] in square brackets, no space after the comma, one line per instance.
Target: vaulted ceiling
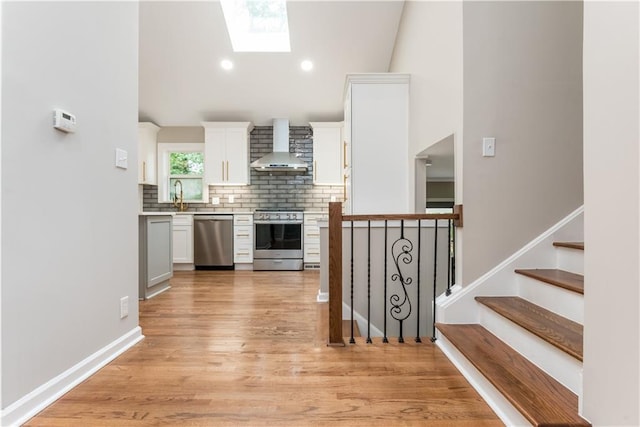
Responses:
[182,44]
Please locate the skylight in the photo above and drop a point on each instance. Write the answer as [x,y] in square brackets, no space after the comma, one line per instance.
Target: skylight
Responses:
[257,25]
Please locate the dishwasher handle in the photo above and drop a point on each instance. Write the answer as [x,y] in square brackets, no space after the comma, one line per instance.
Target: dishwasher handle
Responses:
[213,217]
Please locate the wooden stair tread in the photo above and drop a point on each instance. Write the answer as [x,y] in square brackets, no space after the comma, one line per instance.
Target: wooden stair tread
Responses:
[558,331]
[571,245]
[542,400]
[563,279]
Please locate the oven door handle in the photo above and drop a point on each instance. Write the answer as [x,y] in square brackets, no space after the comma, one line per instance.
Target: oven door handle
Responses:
[278,222]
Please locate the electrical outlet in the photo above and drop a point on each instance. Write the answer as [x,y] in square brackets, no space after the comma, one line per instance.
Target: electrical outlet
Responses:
[124,307]
[333,198]
[215,200]
[232,198]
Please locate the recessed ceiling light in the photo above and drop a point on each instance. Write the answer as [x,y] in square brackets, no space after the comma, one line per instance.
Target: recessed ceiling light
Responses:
[226,64]
[306,65]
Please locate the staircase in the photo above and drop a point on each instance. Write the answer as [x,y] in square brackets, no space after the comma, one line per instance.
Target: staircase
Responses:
[525,353]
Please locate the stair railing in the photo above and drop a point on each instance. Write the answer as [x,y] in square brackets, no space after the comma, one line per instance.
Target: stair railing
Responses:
[403,251]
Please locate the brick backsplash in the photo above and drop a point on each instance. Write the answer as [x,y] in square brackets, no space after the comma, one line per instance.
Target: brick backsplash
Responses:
[267,189]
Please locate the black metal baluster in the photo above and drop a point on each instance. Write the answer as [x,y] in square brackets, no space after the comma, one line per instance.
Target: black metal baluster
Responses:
[435,275]
[449,238]
[385,339]
[352,340]
[418,339]
[403,257]
[401,337]
[369,282]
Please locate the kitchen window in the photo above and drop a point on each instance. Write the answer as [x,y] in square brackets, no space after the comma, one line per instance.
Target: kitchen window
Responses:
[183,163]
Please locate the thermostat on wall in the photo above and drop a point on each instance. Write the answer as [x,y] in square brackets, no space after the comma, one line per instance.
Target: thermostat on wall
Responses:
[64,121]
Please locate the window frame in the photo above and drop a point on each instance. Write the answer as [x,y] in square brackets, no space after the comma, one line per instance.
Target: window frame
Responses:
[164,151]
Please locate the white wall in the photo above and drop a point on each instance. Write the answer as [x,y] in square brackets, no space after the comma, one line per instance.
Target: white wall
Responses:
[611,164]
[69,217]
[429,47]
[1,405]
[523,86]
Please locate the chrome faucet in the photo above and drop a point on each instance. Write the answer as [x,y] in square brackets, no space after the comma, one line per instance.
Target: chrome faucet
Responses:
[178,201]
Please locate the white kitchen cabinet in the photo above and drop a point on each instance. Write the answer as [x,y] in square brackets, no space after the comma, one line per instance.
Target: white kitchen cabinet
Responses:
[311,239]
[155,260]
[328,162]
[242,240]
[377,133]
[183,240]
[147,144]
[226,151]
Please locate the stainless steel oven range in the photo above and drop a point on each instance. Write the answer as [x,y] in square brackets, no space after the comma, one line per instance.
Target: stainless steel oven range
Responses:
[278,239]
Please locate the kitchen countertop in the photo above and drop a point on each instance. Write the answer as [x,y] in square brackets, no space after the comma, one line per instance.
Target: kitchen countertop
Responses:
[156,213]
[173,213]
[242,212]
[216,213]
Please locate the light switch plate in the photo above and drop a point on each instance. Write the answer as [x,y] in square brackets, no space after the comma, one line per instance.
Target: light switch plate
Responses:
[215,200]
[488,147]
[122,160]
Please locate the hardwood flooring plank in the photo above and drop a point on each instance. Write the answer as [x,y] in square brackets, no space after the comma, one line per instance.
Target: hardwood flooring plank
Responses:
[227,348]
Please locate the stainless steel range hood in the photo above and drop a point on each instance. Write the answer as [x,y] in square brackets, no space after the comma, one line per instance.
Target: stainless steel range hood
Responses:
[280,159]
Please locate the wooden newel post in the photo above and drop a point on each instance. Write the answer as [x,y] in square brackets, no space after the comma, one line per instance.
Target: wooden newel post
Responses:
[335,274]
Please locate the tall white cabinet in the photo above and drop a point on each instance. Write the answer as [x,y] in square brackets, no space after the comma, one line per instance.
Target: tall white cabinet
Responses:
[147,143]
[327,153]
[226,151]
[376,131]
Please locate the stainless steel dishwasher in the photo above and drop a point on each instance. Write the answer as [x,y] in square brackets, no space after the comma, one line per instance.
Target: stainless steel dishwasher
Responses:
[213,241]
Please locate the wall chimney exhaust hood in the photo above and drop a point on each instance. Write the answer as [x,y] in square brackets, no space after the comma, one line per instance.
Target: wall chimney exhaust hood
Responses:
[280,159]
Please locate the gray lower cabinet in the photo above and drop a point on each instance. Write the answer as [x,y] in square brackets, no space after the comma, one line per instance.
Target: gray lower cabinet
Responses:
[156,254]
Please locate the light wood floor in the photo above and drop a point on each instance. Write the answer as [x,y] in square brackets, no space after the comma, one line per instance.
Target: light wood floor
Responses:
[247,348]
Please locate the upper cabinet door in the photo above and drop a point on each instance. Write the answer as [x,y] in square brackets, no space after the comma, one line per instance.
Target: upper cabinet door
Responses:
[327,153]
[147,146]
[214,155]
[237,156]
[227,152]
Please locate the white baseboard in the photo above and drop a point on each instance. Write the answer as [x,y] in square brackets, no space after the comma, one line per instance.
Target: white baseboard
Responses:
[159,291]
[322,296]
[43,396]
[361,321]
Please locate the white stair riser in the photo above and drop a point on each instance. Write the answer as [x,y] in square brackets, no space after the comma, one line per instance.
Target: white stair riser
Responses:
[570,260]
[555,362]
[561,301]
[509,415]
